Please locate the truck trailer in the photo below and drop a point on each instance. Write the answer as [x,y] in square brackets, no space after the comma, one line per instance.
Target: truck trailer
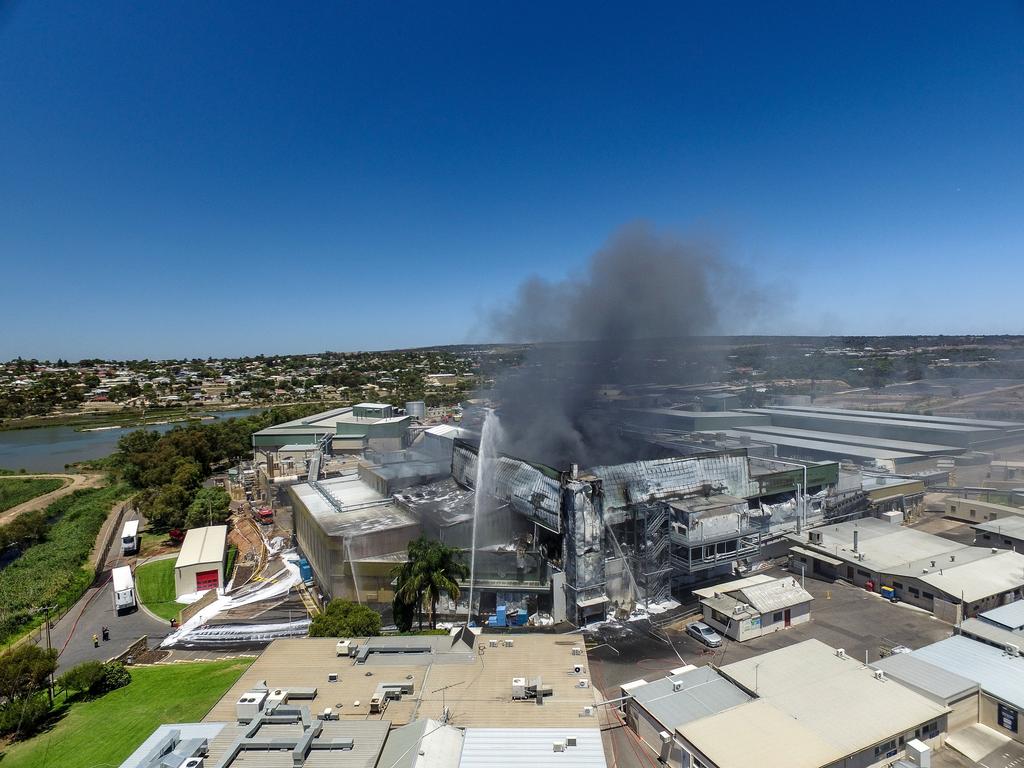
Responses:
[130,537]
[124,590]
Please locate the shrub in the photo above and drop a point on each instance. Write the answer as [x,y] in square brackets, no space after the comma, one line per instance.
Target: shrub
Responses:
[22,717]
[115,675]
[343,618]
[84,678]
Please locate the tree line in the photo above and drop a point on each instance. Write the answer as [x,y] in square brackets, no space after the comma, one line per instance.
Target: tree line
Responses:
[168,470]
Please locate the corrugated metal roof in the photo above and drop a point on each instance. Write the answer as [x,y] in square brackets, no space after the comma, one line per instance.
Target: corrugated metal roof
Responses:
[935,682]
[1010,615]
[732,586]
[991,633]
[998,673]
[776,595]
[518,747]
[203,545]
[1010,525]
[705,692]
[422,744]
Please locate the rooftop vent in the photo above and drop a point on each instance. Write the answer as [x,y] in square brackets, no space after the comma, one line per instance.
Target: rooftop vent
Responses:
[587,712]
[677,686]
[1012,650]
[841,653]
[879,675]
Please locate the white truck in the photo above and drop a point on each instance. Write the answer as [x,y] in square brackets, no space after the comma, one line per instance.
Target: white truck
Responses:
[130,537]
[124,590]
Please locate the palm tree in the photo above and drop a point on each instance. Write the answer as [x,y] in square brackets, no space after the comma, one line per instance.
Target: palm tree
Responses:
[443,568]
[432,569]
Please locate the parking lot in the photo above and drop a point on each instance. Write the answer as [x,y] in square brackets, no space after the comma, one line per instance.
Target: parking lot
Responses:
[842,616]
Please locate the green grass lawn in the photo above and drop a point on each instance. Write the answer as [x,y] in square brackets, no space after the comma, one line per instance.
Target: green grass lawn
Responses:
[155,584]
[105,731]
[18,490]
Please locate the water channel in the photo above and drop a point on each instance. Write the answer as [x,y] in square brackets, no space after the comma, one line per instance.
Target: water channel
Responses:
[48,449]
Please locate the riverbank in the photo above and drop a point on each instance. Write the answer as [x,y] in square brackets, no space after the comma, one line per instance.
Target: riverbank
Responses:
[129,417]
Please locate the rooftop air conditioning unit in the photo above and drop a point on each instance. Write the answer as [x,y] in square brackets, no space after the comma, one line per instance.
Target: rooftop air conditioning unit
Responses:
[492,643]
[576,669]
[587,712]
[558,746]
[518,687]
[1013,650]
[814,537]
[193,762]
[879,675]
[841,653]
[332,677]
[677,686]
[577,651]
[342,648]
[583,683]
[509,643]
[570,741]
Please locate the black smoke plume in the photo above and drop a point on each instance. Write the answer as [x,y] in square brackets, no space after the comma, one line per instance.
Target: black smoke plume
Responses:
[631,317]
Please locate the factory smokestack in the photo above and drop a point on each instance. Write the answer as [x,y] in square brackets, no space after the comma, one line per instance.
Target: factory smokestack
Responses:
[630,316]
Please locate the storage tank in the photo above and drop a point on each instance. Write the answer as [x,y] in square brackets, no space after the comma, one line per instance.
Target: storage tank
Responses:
[417,409]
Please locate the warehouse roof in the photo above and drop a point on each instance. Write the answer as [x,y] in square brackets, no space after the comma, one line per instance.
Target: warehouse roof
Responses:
[914,417]
[990,574]
[882,545]
[475,686]
[998,673]
[794,722]
[864,417]
[422,743]
[518,747]
[367,736]
[704,692]
[357,508]
[1011,526]
[203,546]
[990,633]
[1010,616]
[927,679]
[905,446]
[842,450]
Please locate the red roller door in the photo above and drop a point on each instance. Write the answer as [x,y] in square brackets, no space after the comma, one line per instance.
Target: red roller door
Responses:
[206,580]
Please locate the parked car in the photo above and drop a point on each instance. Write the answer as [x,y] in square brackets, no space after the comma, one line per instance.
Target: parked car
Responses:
[704,634]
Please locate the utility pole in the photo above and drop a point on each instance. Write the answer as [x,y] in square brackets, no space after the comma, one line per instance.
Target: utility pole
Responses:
[46,621]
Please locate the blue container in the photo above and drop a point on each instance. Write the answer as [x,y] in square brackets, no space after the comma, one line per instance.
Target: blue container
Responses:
[522,617]
[498,619]
[305,570]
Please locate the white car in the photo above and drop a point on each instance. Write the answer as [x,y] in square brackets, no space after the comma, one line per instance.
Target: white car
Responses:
[704,633]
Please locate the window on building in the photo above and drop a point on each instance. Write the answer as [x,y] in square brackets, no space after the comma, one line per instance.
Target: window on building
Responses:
[863,573]
[929,596]
[897,585]
[777,616]
[915,591]
[973,513]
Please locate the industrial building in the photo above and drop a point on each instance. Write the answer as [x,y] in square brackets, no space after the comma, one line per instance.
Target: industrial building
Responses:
[975,511]
[1002,627]
[999,675]
[457,701]
[893,442]
[200,563]
[949,579]
[755,606]
[812,706]
[354,429]
[1004,533]
[655,709]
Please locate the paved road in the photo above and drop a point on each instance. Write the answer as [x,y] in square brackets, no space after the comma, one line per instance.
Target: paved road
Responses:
[75,482]
[72,635]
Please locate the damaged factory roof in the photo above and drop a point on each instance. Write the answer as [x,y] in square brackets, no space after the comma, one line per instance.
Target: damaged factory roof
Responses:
[445,501]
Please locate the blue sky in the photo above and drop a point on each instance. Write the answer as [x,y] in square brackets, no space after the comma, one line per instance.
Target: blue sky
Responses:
[189,178]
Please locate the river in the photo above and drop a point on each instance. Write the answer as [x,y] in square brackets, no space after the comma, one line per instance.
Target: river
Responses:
[48,449]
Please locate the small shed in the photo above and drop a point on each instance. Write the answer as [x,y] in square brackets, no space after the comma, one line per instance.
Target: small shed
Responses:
[755,606]
[200,564]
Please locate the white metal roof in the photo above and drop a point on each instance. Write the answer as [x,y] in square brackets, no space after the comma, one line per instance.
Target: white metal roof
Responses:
[131,528]
[776,595]
[998,673]
[938,684]
[202,546]
[796,722]
[1010,616]
[518,747]
[994,575]
[732,586]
